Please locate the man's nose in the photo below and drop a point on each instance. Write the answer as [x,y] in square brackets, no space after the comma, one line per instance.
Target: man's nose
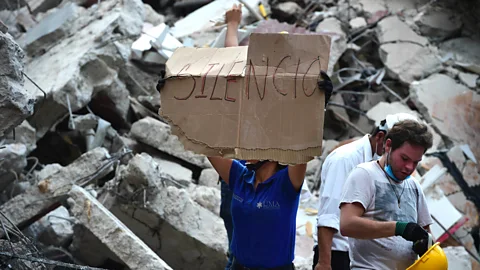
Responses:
[410,166]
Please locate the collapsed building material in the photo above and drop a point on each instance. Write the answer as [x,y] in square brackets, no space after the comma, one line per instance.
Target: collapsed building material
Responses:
[90,67]
[44,197]
[209,178]
[56,26]
[451,107]
[438,23]
[158,135]
[16,103]
[184,233]
[333,27]
[464,51]
[13,159]
[208,197]
[113,233]
[58,227]
[458,258]
[406,55]
[24,134]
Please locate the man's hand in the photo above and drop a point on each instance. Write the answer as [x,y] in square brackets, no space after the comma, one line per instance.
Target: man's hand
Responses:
[420,247]
[161,81]
[326,85]
[234,15]
[410,231]
[322,266]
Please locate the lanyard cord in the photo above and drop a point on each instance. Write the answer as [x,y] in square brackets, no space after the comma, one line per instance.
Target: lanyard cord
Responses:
[391,185]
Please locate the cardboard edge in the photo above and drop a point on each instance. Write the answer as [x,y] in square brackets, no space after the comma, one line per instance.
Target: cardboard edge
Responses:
[286,157]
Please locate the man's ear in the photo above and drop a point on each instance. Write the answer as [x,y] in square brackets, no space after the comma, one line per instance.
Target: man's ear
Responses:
[388,145]
[380,136]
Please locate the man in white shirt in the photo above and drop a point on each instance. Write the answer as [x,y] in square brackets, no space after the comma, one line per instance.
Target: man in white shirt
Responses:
[331,252]
[383,209]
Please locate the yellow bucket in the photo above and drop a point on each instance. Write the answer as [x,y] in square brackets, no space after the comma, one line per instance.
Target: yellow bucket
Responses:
[434,258]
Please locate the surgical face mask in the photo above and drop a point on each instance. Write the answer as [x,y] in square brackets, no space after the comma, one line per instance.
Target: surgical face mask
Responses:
[375,155]
[389,171]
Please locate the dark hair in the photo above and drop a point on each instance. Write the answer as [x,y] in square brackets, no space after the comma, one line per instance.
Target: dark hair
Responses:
[412,132]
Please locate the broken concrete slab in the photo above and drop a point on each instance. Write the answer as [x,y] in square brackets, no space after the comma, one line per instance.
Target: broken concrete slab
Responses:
[186,232]
[333,28]
[382,109]
[152,17]
[209,178]
[175,170]
[458,258]
[464,51]
[470,174]
[87,248]
[456,155]
[286,11]
[157,134]
[469,79]
[16,103]
[44,197]
[112,232]
[408,61]
[392,29]
[58,228]
[370,7]
[13,159]
[24,134]
[87,68]
[357,23]
[208,197]
[468,208]
[50,30]
[438,23]
[451,107]
[47,171]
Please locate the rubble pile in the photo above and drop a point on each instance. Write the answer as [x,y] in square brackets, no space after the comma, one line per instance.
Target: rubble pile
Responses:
[91,175]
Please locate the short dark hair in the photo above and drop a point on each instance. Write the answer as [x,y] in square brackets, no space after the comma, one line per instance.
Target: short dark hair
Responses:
[412,132]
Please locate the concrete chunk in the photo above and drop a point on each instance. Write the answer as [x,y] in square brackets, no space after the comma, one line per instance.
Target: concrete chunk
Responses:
[40,199]
[16,103]
[112,232]
[468,79]
[88,68]
[408,62]
[24,134]
[333,27]
[392,29]
[451,107]
[157,134]
[13,158]
[208,197]
[50,30]
[209,178]
[184,232]
[437,23]
[458,258]
[58,227]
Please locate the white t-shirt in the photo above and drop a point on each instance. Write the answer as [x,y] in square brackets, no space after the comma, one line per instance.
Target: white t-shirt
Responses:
[368,185]
[335,170]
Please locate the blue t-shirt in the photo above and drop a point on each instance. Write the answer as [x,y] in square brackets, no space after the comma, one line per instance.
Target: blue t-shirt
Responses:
[264,219]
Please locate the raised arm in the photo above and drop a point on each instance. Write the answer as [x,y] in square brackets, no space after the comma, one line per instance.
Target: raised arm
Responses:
[296,173]
[222,166]
[233,17]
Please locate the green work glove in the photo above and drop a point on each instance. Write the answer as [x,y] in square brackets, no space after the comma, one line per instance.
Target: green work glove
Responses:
[410,231]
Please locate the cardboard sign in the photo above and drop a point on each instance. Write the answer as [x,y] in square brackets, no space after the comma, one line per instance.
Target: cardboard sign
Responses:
[255,102]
